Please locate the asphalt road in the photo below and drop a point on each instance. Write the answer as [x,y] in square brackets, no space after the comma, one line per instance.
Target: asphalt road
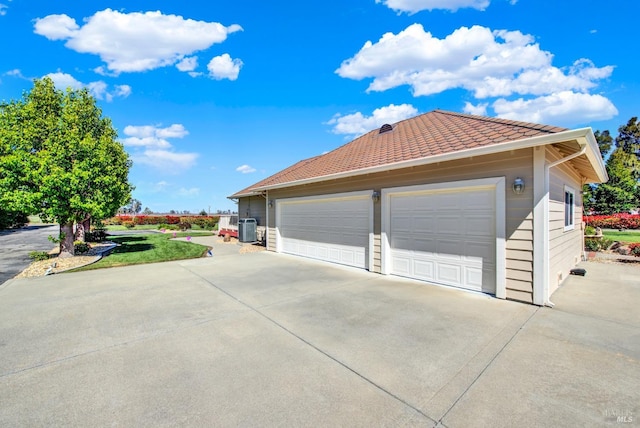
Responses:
[15,246]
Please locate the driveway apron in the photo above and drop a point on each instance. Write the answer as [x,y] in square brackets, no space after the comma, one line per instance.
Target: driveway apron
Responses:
[273,340]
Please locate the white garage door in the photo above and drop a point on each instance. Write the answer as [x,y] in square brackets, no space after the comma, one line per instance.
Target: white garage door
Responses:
[444,236]
[333,228]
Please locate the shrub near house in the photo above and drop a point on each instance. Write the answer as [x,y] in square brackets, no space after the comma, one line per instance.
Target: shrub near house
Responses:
[613,240]
[614,221]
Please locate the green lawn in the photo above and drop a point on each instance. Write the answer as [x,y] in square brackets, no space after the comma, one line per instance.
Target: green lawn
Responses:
[154,248]
[626,236]
[116,227]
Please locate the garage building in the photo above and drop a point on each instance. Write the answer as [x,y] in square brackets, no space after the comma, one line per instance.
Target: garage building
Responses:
[478,203]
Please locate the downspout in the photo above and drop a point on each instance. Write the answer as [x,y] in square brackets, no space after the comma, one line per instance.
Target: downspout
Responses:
[545,282]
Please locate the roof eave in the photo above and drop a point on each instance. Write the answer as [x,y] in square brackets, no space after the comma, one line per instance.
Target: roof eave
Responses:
[593,154]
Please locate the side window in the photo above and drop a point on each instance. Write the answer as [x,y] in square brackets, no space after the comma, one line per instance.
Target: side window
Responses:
[569,207]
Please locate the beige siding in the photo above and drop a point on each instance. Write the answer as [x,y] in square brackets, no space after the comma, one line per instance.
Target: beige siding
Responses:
[519,217]
[253,207]
[565,247]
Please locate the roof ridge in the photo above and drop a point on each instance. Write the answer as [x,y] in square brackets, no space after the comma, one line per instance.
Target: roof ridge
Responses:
[519,123]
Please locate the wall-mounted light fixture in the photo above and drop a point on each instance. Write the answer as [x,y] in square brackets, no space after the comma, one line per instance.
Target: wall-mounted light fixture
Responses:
[270,203]
[375,196]
[518,186]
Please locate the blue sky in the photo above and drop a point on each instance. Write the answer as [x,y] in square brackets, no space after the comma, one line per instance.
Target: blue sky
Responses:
[210,97]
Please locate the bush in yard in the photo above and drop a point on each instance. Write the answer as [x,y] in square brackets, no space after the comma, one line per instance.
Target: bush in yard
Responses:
[38,255]
[634,249]
[171,219]
[96,235]
[615,221]
[184,226]
[605,243]
[166,226]
[80,247]
[591,244]
[129,224]
[597,244]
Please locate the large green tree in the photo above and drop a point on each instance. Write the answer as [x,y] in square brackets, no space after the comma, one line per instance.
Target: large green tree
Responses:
[628,140]
[622,192]
[60,158]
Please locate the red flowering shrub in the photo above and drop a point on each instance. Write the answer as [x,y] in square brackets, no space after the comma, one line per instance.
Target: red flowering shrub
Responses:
[614,221]
[634,249]
[202,221]
[172,219]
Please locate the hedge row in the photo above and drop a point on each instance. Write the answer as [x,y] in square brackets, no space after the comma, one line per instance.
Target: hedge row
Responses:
[203,221]
[615,221]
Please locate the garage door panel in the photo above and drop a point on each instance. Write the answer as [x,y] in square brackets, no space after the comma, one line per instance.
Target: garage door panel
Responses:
[335,230]
[402,265]
[424,269]
[479,251]
[444,236]
[449,224]
[480,226]
[473,278]
[449,273]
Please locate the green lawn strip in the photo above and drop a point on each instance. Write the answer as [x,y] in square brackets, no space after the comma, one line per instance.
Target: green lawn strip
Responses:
[624,236]
[154,248]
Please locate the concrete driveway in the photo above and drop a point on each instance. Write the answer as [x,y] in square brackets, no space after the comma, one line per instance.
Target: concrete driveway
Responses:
[271,340]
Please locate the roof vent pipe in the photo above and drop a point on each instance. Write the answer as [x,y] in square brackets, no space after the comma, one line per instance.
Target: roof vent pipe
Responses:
[385,128]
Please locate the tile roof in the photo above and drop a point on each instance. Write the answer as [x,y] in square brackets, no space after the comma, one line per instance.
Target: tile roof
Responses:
[435,133]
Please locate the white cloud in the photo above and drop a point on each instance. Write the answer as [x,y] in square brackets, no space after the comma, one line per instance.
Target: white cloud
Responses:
[152,136]
[413,6]
[174,131]
[56,27]
[156,151]
[478,110]
[562,107]
[245,169]
[64,81]
[187,64]
[99,89]
[122,91]
[131,42]
[188,193]
[3,9]
[160,186]
[223,67]
[487,63]
[165,160]
[358,124]
[15,72]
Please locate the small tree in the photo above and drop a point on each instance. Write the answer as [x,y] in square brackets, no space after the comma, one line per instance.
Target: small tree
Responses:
[66,163]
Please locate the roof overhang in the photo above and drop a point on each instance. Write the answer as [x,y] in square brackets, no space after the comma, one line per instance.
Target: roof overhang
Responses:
[593,169]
